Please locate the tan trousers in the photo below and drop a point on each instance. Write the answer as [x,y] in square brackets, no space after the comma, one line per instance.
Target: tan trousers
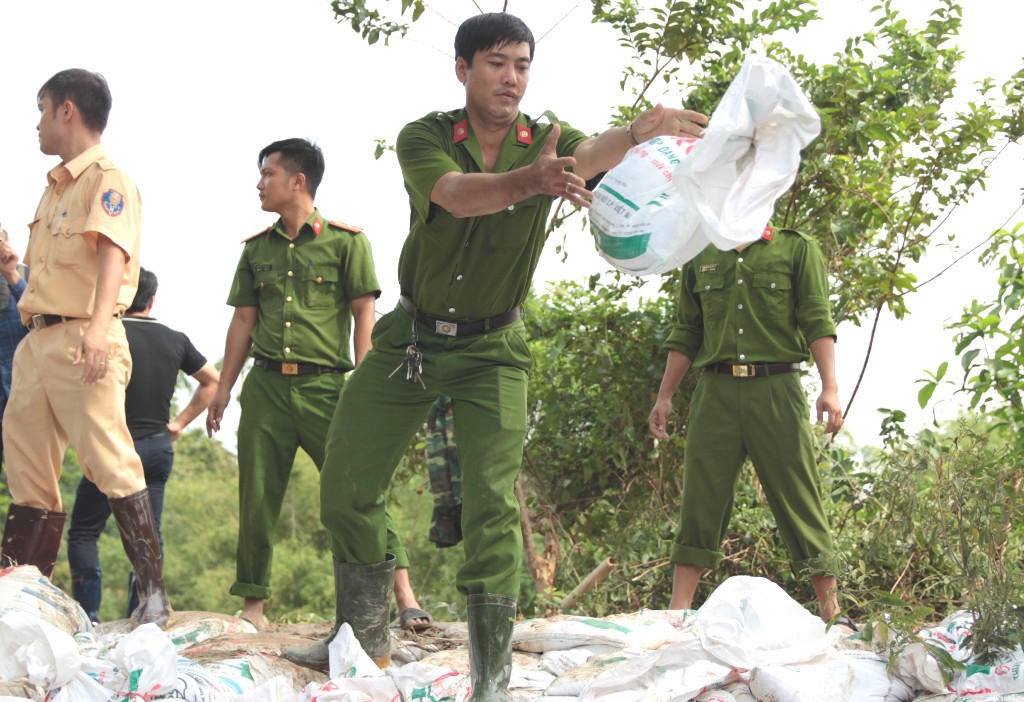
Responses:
[51,407]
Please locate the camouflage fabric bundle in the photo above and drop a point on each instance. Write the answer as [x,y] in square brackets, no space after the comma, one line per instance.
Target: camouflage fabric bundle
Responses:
[445,475]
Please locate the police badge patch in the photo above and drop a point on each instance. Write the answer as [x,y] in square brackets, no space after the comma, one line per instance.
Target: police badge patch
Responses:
[113,202]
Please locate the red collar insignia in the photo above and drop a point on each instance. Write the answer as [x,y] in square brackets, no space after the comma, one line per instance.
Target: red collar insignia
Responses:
[317,225]
[523,134]
[460,132]
[767,233]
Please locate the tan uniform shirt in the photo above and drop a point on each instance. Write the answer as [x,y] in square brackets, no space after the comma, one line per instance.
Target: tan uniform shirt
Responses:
[84,197]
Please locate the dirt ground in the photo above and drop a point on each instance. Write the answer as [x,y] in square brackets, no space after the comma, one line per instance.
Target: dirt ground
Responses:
[306,631]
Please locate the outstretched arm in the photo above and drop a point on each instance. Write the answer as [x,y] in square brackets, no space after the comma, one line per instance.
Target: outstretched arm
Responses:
[476,194]
[605,151]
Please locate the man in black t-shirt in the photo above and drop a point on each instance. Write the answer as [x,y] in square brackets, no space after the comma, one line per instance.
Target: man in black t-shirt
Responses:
[158,353]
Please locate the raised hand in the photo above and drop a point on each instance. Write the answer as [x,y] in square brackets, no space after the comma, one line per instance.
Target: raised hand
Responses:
[668,121]
[551,177]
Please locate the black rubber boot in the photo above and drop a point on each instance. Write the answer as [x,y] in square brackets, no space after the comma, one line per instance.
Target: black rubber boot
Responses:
[490,619]
[32,537]
[135,521]
[362,598]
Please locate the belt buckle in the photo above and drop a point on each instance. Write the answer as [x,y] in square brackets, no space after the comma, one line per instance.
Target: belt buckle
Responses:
[37,321]
[289,369]
[446,328]
[743,372]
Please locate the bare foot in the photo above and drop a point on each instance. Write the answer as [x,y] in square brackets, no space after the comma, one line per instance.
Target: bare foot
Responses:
[252,612]
[410,615]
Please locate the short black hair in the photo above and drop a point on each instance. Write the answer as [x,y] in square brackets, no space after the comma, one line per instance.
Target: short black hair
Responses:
[144,295]
[488,30]
[89,91]
[298,156]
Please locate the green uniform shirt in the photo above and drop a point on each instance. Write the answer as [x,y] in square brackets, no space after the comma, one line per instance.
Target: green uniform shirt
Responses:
[764,304]
[304,289]
[470,268]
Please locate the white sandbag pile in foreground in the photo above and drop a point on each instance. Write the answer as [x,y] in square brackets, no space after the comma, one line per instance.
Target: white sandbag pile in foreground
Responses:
[671,197]
[24,589]
[748,642]
[1005,676]
[47,651]
[849,675]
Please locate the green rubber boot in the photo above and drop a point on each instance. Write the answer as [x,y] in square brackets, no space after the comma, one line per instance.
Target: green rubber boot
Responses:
[490,619]
[362,598]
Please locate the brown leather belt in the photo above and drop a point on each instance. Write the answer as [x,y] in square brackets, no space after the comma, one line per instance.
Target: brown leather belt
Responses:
[753,370]
[448,328]
[294,368]
[42,321]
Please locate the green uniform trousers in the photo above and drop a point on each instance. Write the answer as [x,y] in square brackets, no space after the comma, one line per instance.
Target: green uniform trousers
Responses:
[766,419]
[378,415]
[280,413]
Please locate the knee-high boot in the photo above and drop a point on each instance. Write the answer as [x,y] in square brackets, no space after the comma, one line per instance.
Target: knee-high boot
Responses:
[362,598]
[32,537]
[490,619]
[135,521]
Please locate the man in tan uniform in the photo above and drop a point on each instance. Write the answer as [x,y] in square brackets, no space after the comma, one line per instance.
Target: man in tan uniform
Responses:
[71,371]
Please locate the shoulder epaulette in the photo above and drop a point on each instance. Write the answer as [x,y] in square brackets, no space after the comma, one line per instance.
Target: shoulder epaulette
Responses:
[105,164]
[346,227]
[796,232]
[250,238]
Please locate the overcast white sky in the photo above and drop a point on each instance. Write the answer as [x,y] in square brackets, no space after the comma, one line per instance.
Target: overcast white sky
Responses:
[200,87]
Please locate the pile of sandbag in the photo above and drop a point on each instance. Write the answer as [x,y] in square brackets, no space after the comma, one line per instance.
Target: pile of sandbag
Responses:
[749,641]
[49,651]
[1000,680]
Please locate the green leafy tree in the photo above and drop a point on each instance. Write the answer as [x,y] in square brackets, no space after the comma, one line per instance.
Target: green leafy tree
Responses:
[988,341]
[370,23]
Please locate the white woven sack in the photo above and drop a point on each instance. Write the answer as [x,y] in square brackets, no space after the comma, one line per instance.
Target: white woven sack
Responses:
[670,198]
[750,621]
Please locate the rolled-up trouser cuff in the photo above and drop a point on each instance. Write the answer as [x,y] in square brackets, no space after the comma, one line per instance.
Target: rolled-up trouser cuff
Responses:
[401,556]
[245,590]
[822,564]
[687,555]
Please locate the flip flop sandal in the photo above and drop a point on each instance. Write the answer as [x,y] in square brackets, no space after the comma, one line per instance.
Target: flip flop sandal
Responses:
[847,622]
[415,620]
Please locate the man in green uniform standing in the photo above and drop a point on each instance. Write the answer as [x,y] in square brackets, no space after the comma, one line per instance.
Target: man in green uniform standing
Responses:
[749,317]
[481,180]
[298,287]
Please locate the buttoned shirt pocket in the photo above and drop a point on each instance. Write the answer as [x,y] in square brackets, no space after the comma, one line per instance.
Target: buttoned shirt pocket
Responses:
[517,234]
[68,247]
[773,293]
[710,289]
[265,280]
[319,285]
